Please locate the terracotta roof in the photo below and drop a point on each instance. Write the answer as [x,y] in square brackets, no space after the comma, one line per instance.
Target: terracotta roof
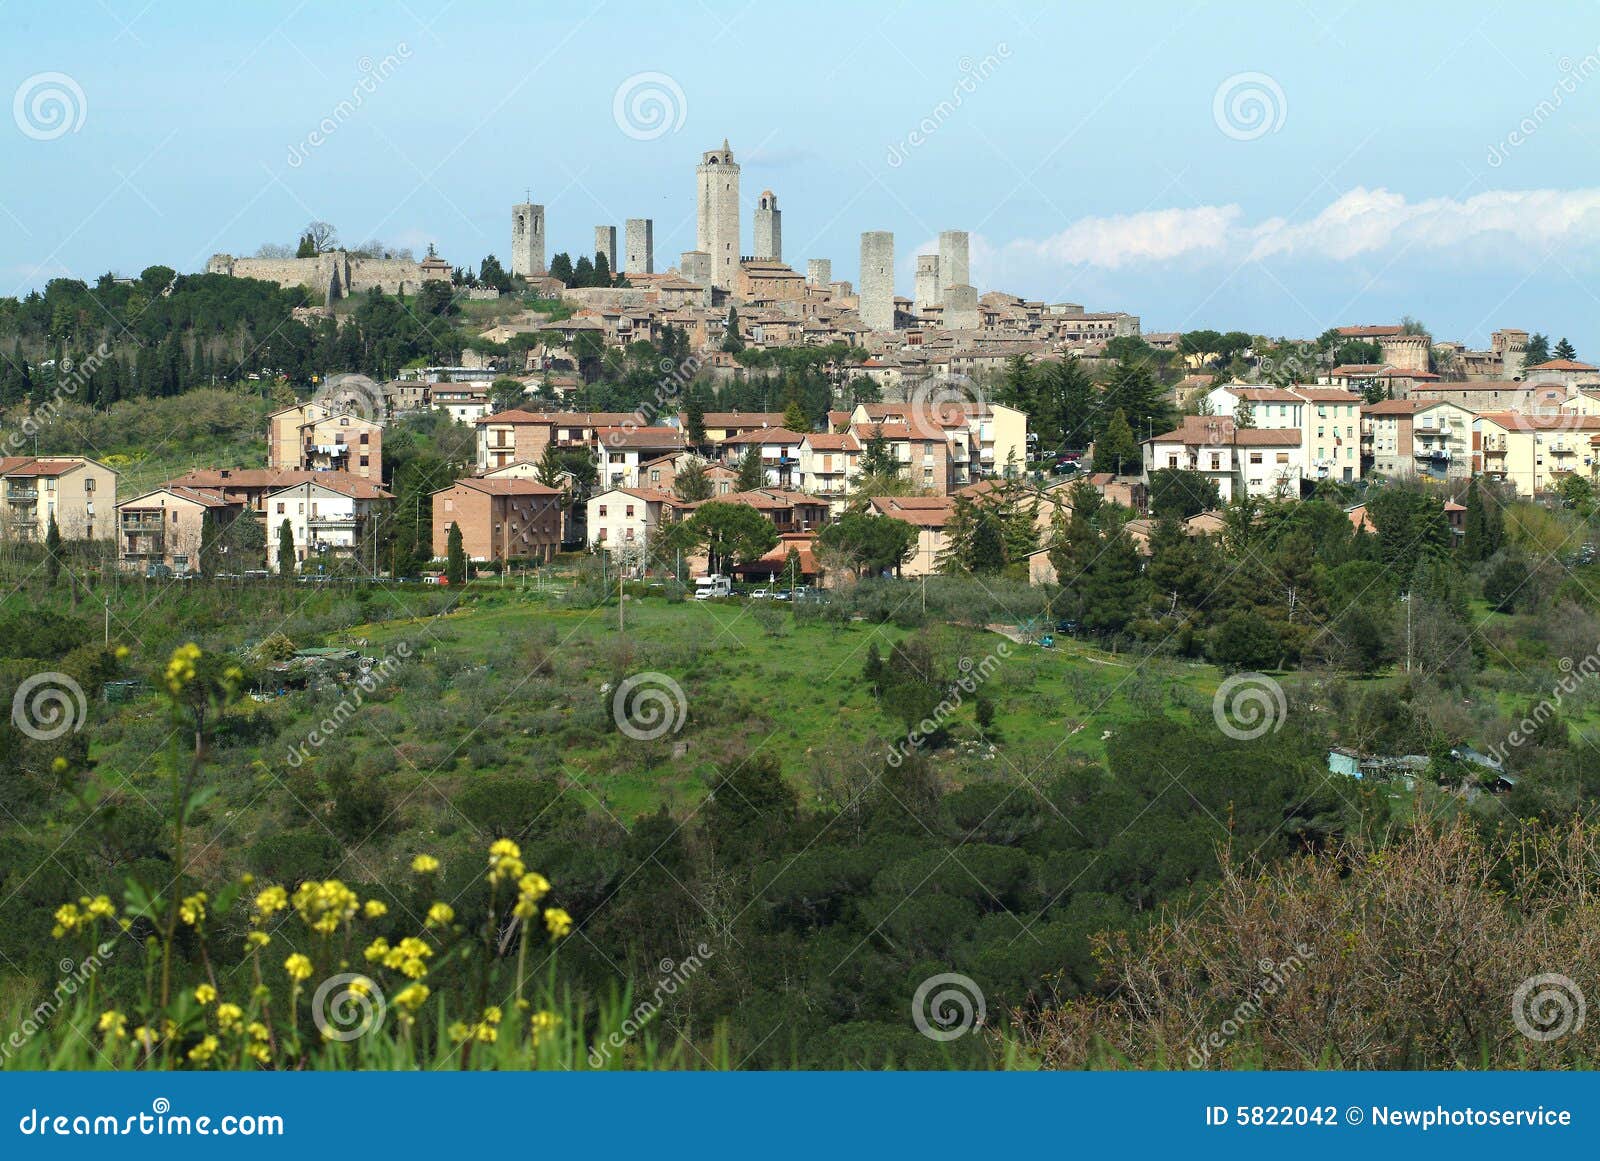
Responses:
[766,435]
[922,511]
[1397,406]
[635,437]
[203,496]
[276,479]
[827,441]
[563,418]
[43,465]
[502,486]
[1564,365]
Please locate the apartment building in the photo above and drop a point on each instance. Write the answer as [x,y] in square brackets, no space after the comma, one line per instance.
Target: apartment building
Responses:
[1260,462]
[80,494]
[163,528]
[316,437]
[501,518]
[329,519]
[1534,453]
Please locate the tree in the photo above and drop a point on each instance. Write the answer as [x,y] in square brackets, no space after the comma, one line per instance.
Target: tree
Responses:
[561,268]
[583,271]
[1246,641]
[1132,389]
[1115,450]
[52,550]
[286,560]
[455,568]
[795,418]
[1565,350]
[868,545]
[731,341]
[731,533]
[752,472]
[1180,493]
[1112,587]
[506,393]
[320,237]
[691,484]
[694,419]
[1505,581]
[878,458]
[1538,350]
[602,269]
[491,273]
[1483,524]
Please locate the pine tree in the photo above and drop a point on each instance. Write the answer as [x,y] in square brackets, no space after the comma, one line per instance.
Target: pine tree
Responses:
[694,419]
[285,550]
[602,269]
[455,568]
[561,268]
[1115,450]
[1483,524]
[1565,350]
[752,473]
[794,417]
[731,340]
[52,550]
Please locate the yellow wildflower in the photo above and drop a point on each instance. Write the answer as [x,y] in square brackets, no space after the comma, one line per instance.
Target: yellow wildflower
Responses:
[377,949]
[492,1014]
[412,996]
[440,914]
[113,1023]
[542,1023]
[531,888]
[193,909]
[424,864]
[100,907]
[68,919]
[122,652]
[374,909]
[298,967]
[505,861]
[558,921]
[271,900]
[459,1032]
[204,994]
[180,669]
[204,1050]
[257,939]
[325,905]
[407,957]
[230,1017]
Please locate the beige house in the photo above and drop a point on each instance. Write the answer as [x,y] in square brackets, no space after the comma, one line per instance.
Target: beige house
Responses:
[79,493]
[930,516]
[315,437]
[1534,453]
[164,527]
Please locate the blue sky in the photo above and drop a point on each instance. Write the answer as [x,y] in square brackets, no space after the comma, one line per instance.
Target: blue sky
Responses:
[1277,168]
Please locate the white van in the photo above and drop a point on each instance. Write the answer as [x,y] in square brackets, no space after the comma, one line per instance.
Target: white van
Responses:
[706,587]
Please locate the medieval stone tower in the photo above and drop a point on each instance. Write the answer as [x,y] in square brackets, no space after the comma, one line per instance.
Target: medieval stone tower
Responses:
[930,290]
[953,258]
[527,240]
[640,243]
[605,242]
[717,234]
[819,271]
[769,227]
[877,280]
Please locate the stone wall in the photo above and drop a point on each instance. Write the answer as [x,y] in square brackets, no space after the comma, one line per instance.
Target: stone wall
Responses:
[334,274]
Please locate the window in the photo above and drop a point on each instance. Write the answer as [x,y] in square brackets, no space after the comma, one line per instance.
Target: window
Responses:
[602,511]
[1283,457]
[281,506]
[1255,457]
[88,487]
[630,510]
[364,437]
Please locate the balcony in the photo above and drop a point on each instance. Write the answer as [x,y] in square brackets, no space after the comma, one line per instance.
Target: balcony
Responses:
[334,521]
[22,495]
[1437,453]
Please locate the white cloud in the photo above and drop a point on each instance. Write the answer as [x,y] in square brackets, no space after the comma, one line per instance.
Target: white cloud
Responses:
[1484,227]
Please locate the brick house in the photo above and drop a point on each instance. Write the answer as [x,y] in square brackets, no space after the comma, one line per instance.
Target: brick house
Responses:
[500,518]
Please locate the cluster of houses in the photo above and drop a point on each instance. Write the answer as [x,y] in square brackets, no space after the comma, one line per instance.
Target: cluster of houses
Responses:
[1270,442]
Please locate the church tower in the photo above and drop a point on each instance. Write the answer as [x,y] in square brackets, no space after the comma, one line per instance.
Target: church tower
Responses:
[527,240]
[769,227]
[717,232]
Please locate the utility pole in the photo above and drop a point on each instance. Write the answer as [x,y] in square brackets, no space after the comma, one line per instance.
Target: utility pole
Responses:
[108,621]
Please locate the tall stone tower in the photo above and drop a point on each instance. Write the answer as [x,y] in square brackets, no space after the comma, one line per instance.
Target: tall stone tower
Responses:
[953,258]
[819,271]
[639,240]
[930,290]
[769,227]
[527,240]
[605,242]
[717,233]
[877,280]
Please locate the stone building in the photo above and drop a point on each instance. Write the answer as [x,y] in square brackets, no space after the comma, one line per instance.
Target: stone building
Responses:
[877,280]
[695,266]
[639,240]
[1405,352]
[332,274]
[605,242]
[501,518]
[717,228]
[819,271]
[527,240]
[769,228]
[953,258]
[961,307]
[930,292]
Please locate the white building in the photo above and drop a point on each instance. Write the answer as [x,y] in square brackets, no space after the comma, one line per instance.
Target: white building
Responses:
[1261,462]
[626,519]
[325,520]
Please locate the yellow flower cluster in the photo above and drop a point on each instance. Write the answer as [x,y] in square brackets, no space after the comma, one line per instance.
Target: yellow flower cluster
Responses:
[406,957]
[424,864]
[412,997]
[374,909]
[114,1024]
[440,915]
[180,670]
[298,967]
[325,905]
[193,909]
[270,901]
[205,1050]
[531,888]
[75,917]
[558,922]
[204,994]
[230,1017]
[505,861]
[541,1024]
[485,1031]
